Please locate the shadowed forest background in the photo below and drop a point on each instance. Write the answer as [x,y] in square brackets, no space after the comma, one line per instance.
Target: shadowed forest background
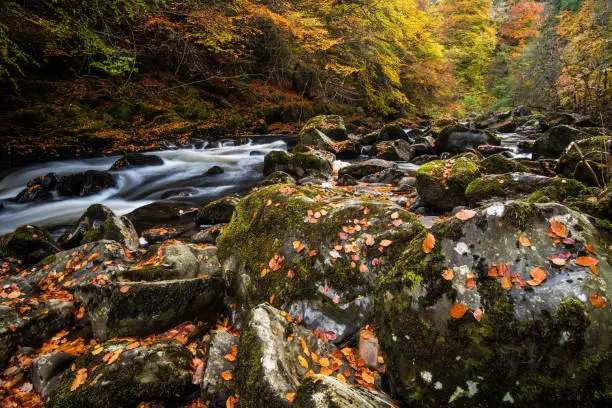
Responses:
[104,73]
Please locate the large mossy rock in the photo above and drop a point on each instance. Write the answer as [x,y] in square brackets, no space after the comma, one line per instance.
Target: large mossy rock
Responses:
[327,392]
[395,150]
[441,183]
[299,165]
[129,160]
[392,131]
[216,212]
[459,139]
[99,223]
[536,346]
[498,164]
[598,153]
[556,140]
[318,250]
[86,183]
[27,243]
[158,372]
[331,126]
[366,168]
[517,185]
[274,355]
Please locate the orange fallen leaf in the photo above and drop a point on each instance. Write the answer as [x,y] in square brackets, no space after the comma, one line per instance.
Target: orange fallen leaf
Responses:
[302,361]
[506,282]
[590,248]
[586,261]
[524,241]
[385,243]
[465,215]
[538,276]
[428,243]
[132,346]
[478,313]
[470,282]
[325,371]
[448,274]
[458,311]
[290,396]
[594,269]
[559,261]
[80,378]
[226,375]
[503,269]
[597,301]
[125,289]
[313,252]
[557,228]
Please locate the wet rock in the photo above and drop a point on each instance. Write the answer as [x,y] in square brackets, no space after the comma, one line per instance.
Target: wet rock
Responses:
[158,235]
[267,366]
[27,243]
[98,223]
[159,214]
[331,126]
[213,171]
[491,119]
[298,165]
[33,327]
[46,371]
[498,164]
[249,241]
[85,183]
[156,372]
[366,168]
[387,176]
[347,180]
[521,111]
[516,185]
[278,177]
[216,212]
[489,150]
[598,153]
[505,127]
[207,236]
[551,344]
[396,150]
[38,189]
[426,158]
[441,184]
[370,138]
[553,119]
[458,139]
[556,140]
[347,149]
[137,160]
[327,392]
[215,390]
[392,131]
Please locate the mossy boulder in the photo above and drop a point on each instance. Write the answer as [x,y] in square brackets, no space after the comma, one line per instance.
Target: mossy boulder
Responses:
[347,149]
[38,189]
[299,165]
[556,140]
[458,139]
[85,183]
[278,177]
[549,341]
[517,185]
[392,131]
[365,168]
[598,153]
[129,160]
[322,391]
[331,126]
[218,211]
[441,184]
[98,223]
[395,150]
[293,243]
[498,164]
[159,372]
[598,206]
[27,243]
[47,370]
[268,367]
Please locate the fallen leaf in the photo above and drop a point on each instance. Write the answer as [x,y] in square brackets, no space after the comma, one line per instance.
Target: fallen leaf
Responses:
[290,396]
[125,289]
[448,274]
[590,248]
[325,371]
[428,243]
[465,215]
[478,313]
[524,241]
[302,361]
[594,269]
[538,276]
[132,346]
[503,269]
[385,243]
[557,228]
[597,301]
[80,378]
[458,311]
[226,375]
[470,283]
[313,252]
[586,261]
[506,282]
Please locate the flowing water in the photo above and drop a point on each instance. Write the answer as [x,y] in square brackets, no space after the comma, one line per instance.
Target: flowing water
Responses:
[182,172]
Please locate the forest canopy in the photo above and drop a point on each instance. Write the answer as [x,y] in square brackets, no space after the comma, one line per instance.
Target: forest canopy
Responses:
[391,57]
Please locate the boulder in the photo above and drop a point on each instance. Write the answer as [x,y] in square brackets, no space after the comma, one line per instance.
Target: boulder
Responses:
[215,390]
[129,160]
[216,212]
[447,337]
[299,165]
[392,131]
[331,126]
[517,185]
[46,371]
[556,140]
[38,189]
[347,149]
[441,184]
[98,223]
[498,164]
[155,372]
[458,139]
[27,243]
[387,176]
[396,150]
[214,170]
[86,183]
[598,153]
[278,177]
[552,119]
[366,168]
[323,391]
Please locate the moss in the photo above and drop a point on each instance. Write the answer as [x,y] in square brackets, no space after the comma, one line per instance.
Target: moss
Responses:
[48,260]
[442,183]
[519,213]
[573,319]
[149,273]
[498,164]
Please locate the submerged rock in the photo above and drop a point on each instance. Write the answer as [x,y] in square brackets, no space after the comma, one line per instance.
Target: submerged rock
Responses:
[38,189]
[136,160]
[547,338]
[86,183]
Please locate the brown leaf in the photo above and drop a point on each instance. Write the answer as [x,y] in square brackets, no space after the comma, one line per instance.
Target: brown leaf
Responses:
[586,261]
[465,215]
[506,282]
[597,301]
[385,243]
[428,243]
[226,375]
[125,289]
[478,313]
[458,311]
[448,274]
[524,241]
[557,228]
[80,378]
[590,248]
